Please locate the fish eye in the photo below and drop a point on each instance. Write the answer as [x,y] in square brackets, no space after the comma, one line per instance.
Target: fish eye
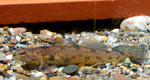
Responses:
[24,52]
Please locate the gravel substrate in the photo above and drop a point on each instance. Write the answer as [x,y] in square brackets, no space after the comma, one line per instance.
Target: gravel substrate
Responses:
[125,41]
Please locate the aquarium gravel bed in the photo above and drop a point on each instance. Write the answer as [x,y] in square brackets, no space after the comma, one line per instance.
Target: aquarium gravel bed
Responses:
[26,56]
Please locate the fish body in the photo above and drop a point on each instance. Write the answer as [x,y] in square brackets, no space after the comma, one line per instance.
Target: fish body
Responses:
[68,55]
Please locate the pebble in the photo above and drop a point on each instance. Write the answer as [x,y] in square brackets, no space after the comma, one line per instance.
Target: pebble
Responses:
[117,71]
[139,69]
[96,71]
[107,64]
[11,72]
[86,68]
[1,40]
[134,69]
[135,23]
[2,56]
[76,77]
[18,38]
[60,69]
[29,35]
[38,74]
[20,29]
[44,78]
[22,77]
[5,28]
[14,40]
[46,33]
[9,57]
[55,78]
[11,31]
[17,67]
[70,69]
[6,48]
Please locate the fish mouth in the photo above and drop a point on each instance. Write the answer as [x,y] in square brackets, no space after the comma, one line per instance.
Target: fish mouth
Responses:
[142,61]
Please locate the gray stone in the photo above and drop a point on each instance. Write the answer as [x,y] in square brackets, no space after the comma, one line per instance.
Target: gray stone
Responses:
[70,69]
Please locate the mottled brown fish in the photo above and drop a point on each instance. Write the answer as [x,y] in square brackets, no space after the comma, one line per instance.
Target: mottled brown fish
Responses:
[68,55]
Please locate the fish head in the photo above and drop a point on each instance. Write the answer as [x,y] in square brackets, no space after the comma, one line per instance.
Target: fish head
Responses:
[21,54]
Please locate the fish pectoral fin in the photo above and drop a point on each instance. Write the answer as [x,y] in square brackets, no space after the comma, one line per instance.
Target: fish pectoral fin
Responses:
[44,67]
[97,64]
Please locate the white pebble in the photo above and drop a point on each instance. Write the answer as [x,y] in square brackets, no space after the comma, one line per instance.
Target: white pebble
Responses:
[9,56]
[12,32]
[18,38]
[107,64]
[135,23]
[115,30]
[38,74]
[139,69]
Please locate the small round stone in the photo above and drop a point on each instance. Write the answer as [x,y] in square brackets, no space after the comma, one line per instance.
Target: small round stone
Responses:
[70,69]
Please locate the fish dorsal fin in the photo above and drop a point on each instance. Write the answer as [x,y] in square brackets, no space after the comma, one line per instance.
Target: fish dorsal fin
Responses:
[65,42]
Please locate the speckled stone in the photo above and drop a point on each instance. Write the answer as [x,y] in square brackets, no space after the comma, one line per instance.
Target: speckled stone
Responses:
[70,69]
